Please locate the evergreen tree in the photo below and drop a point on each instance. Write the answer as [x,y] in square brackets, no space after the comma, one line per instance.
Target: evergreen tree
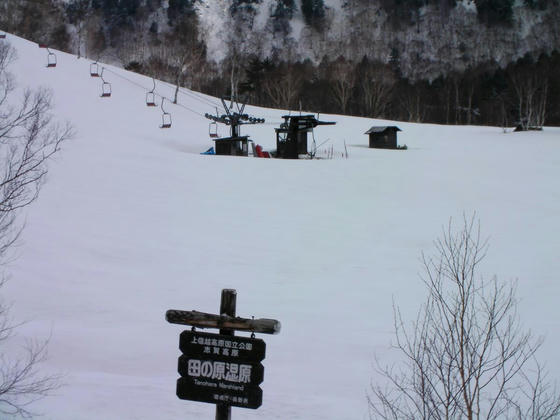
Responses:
[313,11]
[179,8]
[242,6]
[494,11]
[255,73]
[283,12]
[284,9]
[539,4]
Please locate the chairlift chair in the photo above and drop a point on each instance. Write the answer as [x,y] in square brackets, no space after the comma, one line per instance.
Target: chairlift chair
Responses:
[105,86]
[166,120]
[51,59]
[150,99]
[165,117]
[2,35]
[42,45]
[106,90]
[94,69]
[150,96]
[213,129]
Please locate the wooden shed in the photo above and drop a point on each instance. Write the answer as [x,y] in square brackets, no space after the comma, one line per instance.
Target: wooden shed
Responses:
[232,146]
[383,137]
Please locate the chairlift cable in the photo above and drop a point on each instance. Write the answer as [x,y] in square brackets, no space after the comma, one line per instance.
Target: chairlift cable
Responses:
[195,95]
[122,77]
[187,108]
[157,94]
[197,98]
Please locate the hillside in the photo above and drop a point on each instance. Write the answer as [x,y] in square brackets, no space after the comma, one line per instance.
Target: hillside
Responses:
[430,38]
[484,62]
[134,221]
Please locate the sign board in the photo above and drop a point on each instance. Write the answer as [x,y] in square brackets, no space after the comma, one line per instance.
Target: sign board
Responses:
[221,369]
[194,343]
[210,392]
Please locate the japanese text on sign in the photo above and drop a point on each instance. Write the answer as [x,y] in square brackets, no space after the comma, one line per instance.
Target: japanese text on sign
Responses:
[232,372]
[230,398]
[221,347]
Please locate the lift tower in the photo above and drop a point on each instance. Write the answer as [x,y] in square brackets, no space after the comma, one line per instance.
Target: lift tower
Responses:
[235,144]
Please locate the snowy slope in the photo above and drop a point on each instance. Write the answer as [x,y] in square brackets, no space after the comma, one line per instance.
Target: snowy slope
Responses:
[133,221]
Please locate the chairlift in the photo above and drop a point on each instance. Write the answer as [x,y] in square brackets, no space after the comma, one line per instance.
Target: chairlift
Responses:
[105,86]
[150,96]
[51,59]
[2,35]
[106,90]
[94,69]
[213,129]
[165,117]
[42,45]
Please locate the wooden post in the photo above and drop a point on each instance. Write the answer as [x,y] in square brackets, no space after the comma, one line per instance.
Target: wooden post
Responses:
[227,307]
[204,320]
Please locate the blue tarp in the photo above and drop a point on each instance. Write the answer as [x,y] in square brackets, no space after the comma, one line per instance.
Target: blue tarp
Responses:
[209,152]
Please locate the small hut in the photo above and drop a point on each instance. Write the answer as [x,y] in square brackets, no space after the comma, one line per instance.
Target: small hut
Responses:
[232,146]
[383,137]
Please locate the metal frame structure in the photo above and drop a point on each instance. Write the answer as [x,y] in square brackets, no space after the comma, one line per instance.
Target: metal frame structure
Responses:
[51,58]
[235,144]
[94,69]
[105,86]
[150,96]
[234,117]
[165,117]
[291,137]
[213,129]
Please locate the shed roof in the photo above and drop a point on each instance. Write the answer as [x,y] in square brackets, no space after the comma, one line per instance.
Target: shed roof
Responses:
[232,139]
[381,129]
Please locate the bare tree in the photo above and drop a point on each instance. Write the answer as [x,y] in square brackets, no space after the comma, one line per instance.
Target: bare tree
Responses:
[465,355]
[376,83]
[28,139]
[185,54]
[411,105]
[342,76]
[282,85]
[78,13]
[531,92]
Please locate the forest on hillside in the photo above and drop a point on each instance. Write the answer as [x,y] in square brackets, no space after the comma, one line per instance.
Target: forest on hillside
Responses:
[489,62]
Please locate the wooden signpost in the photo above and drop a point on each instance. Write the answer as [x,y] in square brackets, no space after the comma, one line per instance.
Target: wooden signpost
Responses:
[221,368]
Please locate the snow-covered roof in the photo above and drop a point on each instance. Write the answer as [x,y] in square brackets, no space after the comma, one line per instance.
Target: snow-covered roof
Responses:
[381,129]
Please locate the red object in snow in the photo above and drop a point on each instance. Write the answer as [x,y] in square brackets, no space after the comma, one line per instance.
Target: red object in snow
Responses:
[260,152]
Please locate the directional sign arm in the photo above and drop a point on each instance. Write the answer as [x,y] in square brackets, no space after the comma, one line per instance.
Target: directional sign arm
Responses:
[204,320]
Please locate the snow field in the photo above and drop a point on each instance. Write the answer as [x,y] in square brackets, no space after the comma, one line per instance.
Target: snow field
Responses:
[133,221]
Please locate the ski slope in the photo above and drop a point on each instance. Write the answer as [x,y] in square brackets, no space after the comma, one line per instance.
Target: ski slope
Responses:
[134,221]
